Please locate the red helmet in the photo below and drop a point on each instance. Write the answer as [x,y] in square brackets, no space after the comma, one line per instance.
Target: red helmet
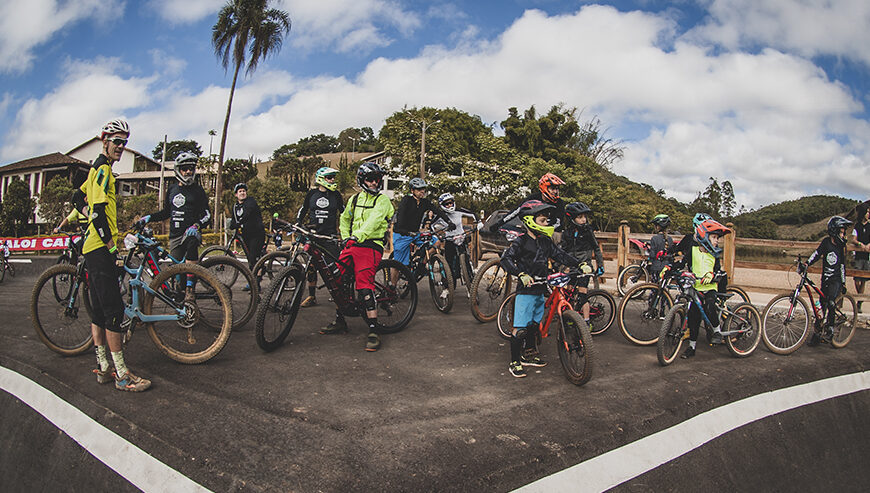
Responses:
[705,229]
[546,184]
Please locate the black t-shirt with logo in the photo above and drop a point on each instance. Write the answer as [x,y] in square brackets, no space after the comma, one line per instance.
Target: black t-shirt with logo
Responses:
[184,206]
[862,234]
[322,209]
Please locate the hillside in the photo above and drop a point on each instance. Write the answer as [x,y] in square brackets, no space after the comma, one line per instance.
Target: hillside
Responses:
[801,219]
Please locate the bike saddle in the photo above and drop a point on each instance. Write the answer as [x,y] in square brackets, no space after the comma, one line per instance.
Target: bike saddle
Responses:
[724,296]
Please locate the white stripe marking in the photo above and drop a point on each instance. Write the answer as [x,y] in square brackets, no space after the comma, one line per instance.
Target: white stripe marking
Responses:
[131,462]
[629,461]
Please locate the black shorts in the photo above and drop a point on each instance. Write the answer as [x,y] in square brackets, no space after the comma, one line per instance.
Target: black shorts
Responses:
[186,249]
[108,308]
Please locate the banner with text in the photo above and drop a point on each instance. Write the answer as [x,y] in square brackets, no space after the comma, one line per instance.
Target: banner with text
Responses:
[39,243]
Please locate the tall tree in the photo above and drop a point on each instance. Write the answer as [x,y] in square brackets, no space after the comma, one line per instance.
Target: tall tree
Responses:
[54,200]
[246,32]
[174,148]
[18,206]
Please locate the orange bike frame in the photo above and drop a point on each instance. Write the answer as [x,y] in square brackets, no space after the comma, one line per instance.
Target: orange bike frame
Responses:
[556,303]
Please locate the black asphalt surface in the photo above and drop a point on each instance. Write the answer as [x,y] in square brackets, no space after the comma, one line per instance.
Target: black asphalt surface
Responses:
[434,410]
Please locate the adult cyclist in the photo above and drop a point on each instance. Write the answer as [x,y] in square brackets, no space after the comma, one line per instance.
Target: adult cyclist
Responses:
[321,208]
[410,215]
[249,219]
[549,192]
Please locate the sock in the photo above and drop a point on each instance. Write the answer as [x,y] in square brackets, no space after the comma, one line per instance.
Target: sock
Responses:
[692,344]
[372,323]
[311,290]
[516,349]
[102,361]
[531,341]
[586,320]
[120,367]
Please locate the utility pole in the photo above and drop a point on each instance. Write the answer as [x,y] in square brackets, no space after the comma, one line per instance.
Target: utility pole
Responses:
[162,168]
[424,124]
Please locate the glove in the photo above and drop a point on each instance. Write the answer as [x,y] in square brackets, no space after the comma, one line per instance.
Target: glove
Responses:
[479,225]
[585,268]
[599,271]
[660,255]
[142,222]
[192,230]
[349,242]
[525,279]
[707,279]
[664,271]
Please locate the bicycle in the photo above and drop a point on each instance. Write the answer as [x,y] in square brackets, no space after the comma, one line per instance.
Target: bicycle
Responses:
[491,285]
[425,261]
[602,308]
[634,274]
[741,330]
[573,341]
[226,269]
[230,250]
[277,312]
[785,319]
[463,263]
[188,332]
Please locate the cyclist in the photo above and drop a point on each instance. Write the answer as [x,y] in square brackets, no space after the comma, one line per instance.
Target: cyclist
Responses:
[861,241]
[549,192]
[75,216]
[186,207]
[5,248]
[322,206]
[579,240]
[249,219]
[659,244]
[528,257]
[455,236]
[704,262]
[833,249]
[100,256]
[363,228]
[411,217]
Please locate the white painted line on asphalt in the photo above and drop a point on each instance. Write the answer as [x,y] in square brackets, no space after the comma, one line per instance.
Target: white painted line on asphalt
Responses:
[131,462]
[631,460]
[20,261]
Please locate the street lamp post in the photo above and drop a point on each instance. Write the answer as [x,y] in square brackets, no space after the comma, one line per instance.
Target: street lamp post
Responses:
[424,124]
[353,150]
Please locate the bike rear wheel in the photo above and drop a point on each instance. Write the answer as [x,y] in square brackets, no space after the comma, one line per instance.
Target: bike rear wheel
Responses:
[217,251]
[277,312]
[845,321]
[576,352]
[234,275]
[631,276]
[505,319]
[785,325]
[60,322]
[641,311]
[490,287]
[187,338]
[602,310]
[396,304]
[746,319]
[440,283]
[673,332]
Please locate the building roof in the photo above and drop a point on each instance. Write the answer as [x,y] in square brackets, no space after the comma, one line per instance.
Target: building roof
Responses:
[54,159]
[126,149]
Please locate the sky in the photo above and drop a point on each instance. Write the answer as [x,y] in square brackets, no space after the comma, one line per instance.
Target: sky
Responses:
[771,96]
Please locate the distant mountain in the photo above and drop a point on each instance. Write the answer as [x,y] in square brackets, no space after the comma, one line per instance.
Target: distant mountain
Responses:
[801,219]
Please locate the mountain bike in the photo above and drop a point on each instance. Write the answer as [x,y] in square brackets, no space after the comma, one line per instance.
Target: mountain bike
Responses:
[573,340]
[602,308]
[271,263]
[786,318]
[741,330]
[463,265]
[188,330]
[279,307]
[427,262]
[231,273]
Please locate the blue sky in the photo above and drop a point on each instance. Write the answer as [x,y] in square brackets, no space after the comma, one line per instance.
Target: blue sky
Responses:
[771,95]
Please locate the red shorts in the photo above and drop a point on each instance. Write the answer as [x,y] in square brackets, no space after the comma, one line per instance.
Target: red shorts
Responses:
[365,263]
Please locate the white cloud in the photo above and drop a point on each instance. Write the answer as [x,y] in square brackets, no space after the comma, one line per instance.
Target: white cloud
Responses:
[24,25]
[186,11]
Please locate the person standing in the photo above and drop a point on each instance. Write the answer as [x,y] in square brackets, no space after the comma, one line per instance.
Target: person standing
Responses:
[321,208]
[861,240]
[100,255]
[248,218]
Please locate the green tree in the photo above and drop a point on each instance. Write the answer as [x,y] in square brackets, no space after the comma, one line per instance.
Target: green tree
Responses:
[131,207]
[273,195]
[246,32]
[54,200]
[18,207]
[716,200]
[357,140]
[176,147]
[237,171]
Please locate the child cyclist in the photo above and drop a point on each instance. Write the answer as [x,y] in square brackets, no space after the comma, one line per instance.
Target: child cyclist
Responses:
[833,250]
[579,240]
[455,235]
[704,261]
[659,244]
[528,257]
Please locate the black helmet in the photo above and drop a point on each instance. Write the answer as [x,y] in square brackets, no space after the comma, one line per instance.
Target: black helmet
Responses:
[834,225]
[575,209]
[372,172]
[662,221]
[532,208]
[240,186]
[417,183]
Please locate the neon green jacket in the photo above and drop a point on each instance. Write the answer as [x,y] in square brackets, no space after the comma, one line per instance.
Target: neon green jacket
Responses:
[367,217]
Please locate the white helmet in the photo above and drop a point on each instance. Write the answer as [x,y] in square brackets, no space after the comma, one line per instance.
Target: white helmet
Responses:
[447,198]
[185,160]
[114,127]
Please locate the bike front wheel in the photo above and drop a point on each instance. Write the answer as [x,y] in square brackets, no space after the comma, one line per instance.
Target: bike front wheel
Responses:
[745,319]
[631,276]
[574,345]
[673,332]
[845,321]
[785,324]
[396,303]
[490,287]
[56,304]
[185,336]
[440,283]
[240,283]
[277,312]
[641,311]
[602,310]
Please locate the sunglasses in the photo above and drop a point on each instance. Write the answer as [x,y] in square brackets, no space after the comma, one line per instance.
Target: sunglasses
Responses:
[119,141]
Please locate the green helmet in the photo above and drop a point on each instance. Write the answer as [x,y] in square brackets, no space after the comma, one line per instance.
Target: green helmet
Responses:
[320,177]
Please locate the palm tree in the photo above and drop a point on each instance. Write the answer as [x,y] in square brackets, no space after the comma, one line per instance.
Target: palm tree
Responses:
[246,32]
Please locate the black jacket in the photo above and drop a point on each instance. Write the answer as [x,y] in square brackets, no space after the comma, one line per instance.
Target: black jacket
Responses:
[581,243]
[184,206]
[531,255]
[409,215]
[248,217]
[834,264]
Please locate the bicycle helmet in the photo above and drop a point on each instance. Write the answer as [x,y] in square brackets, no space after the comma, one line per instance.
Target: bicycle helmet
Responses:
[662,221]
[699,218]
[447,198]
[532,209]
[834,225]
[240,186]
[549,185]
[417,183]
[116,126]
[575,209]
[704,230]
[185,160]
[321,176]
[372,172]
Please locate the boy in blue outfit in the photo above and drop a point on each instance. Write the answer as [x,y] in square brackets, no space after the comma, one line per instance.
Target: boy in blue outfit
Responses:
[527,258]
[833,250]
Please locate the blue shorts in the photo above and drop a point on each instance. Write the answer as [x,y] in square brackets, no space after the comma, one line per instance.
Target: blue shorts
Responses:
[528,308]
[402,248]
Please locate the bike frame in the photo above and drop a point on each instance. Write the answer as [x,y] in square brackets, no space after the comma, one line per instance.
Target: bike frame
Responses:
[422,242]
[132,310]
[693,298]
[806,283]
[556,303]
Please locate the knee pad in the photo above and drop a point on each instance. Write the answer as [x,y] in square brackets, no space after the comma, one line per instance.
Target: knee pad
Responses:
[367,299]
